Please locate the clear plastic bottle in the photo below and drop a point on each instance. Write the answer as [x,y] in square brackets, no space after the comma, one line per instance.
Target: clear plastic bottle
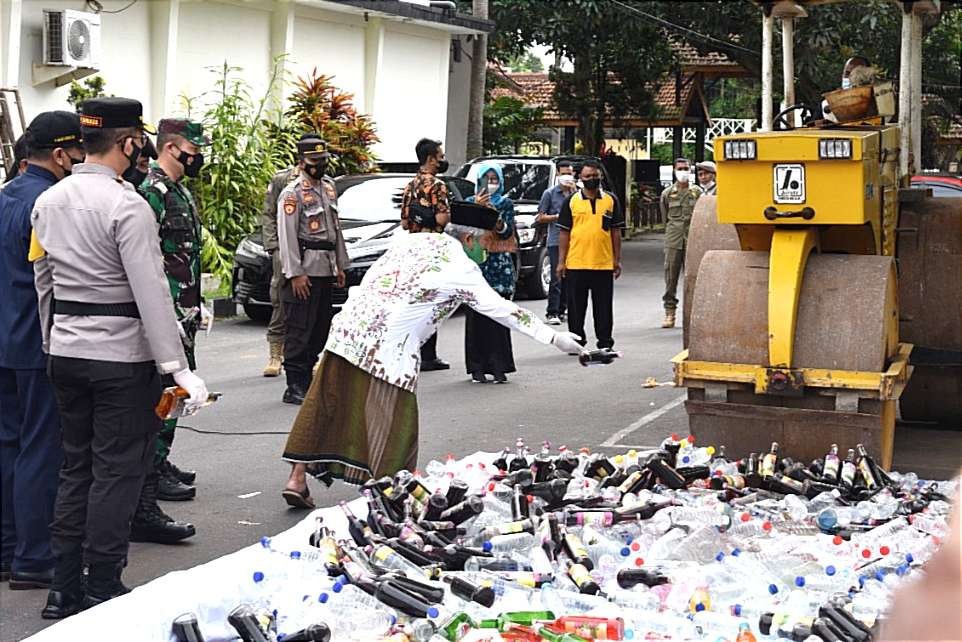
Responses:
[561,601]
[515,542]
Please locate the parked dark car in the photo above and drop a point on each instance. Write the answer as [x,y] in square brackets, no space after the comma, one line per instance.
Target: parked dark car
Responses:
[369,207]
[525,180]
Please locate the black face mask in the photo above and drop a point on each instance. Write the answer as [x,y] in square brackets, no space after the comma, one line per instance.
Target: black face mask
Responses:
[134,155]
[591,183]
[315,171]
[191,162]
[135,176]
[443,166]
[73,161]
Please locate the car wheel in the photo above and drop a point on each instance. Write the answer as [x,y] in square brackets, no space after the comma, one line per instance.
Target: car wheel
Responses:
[258,313]
[540,280]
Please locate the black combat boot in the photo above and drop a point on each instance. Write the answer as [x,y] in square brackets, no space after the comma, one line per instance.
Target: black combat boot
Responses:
[171,489]
[66,591]
[185,476]
[296,389]
[103,583]
[151,524]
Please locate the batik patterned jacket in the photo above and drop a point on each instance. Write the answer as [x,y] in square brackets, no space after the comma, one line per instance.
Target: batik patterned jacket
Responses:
[405,296]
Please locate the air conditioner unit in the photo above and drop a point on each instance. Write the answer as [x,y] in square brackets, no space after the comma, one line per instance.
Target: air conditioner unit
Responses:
[71,38]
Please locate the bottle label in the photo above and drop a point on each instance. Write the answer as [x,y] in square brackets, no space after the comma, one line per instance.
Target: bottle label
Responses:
[579,574]
[594,519]
[848,473]
[514,527]
[830,468]
[768,465]
[382,553]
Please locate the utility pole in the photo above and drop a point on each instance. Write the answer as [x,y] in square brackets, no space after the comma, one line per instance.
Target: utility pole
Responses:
[479,64]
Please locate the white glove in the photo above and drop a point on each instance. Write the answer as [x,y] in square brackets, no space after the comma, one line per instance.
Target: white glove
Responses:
[567,342]
[206,319]
[194,386]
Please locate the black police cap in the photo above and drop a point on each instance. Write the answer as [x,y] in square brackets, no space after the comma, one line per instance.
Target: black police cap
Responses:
[113,113]
[312,145]
[54,129]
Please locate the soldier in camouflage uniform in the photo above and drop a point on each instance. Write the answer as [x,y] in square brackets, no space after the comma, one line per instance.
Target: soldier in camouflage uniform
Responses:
[178,146]
[677,204]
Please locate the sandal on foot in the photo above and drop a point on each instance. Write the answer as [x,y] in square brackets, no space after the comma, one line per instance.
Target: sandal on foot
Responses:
[298,499]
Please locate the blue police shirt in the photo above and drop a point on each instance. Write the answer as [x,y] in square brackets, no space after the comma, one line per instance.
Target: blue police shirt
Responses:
[551,202]
[20,342]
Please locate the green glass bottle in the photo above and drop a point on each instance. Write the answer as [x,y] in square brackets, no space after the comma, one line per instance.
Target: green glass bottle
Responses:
[457,626]
[527,618]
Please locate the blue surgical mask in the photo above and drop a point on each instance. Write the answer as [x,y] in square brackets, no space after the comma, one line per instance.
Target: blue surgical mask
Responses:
[846,83]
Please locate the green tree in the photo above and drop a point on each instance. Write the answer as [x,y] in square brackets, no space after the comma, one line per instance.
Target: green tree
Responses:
[526,62]
[617,58]
[92,87]
[247,147]
[508,124]
[823,41]
[317,105]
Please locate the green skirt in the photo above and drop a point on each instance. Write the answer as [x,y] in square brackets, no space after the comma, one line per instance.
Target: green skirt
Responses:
[354,425]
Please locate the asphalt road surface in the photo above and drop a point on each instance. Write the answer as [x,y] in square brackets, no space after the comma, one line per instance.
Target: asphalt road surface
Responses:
[235,446]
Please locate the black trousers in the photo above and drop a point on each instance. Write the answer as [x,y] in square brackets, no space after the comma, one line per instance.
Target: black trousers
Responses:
[109,432]
[429,349]
[601,285]
[307,324]
[487,345]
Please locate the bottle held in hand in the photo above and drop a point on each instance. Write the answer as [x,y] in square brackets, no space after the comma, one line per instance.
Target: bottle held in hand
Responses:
[173,403]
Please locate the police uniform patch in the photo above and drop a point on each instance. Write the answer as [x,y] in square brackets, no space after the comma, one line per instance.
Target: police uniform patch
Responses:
[290,205]
[331,192]
[314,224]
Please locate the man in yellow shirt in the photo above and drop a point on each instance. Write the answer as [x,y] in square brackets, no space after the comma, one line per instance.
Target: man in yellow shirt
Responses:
[589,253]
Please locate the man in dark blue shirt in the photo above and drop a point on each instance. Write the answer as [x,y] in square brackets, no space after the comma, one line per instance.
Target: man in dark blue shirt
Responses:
[30,451]
[549,208]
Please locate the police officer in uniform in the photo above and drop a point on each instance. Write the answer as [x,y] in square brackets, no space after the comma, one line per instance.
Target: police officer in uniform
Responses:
[108,324]
[30,454]
[313,259]
[179,142]
[677,204]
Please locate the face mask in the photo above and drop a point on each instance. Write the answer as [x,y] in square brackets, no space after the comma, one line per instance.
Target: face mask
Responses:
[133,155]
[492,188]
[315,171]
[474,251]
[591,183]
[683,175]
[191,162]
[846,83]
[443,166]
[135,176]
[73,161]
[566,180]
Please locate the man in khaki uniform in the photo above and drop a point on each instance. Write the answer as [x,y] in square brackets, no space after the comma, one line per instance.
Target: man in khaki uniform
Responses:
[677,204]
[313,259]
[275,329]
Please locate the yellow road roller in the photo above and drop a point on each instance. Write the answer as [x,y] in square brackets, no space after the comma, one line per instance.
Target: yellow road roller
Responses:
[792,320]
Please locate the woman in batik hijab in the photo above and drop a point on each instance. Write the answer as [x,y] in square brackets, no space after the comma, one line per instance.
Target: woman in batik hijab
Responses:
[360,417]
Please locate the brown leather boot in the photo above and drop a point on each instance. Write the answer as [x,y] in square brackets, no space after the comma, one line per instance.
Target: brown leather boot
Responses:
[273,368]
[669,321]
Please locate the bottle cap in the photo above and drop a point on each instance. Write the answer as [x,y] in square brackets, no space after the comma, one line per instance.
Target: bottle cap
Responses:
[772,589]
[295,555]
[625,552]
[639,561]
[699,607]
[324,597]
[338,587]
[736,610]
[719,557]
[433,612]
[629,634]
[487,546]
[909,558]
[266,541]
[866,553]
[884,550]
[258,576]
[830,570]
[799,581]
[736,552]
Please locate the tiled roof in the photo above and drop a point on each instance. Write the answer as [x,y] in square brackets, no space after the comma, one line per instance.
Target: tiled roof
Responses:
[688,56]
[537,90]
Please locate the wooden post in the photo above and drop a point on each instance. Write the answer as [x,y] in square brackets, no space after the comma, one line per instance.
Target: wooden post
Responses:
[767,21]
[788,64]
[905,94]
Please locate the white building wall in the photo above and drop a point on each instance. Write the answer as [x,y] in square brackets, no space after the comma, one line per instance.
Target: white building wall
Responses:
[335,46]
[208,35]
[411,91]
[159,50]
[459,94]
[125,53]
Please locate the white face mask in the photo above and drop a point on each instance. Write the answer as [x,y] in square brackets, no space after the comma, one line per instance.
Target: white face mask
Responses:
[566,180]
[492,188]
[683,175]
[846,83]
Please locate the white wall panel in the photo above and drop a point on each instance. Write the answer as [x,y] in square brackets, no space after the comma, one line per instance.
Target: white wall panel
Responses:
[335,49]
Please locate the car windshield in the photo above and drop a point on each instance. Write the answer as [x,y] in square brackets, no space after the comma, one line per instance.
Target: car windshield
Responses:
[522,181]
[372,200]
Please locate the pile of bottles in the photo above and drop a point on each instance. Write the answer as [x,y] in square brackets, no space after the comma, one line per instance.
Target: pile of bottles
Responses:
[679,543]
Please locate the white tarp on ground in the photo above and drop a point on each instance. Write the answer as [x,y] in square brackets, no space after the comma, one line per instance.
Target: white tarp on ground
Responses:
[146,613]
